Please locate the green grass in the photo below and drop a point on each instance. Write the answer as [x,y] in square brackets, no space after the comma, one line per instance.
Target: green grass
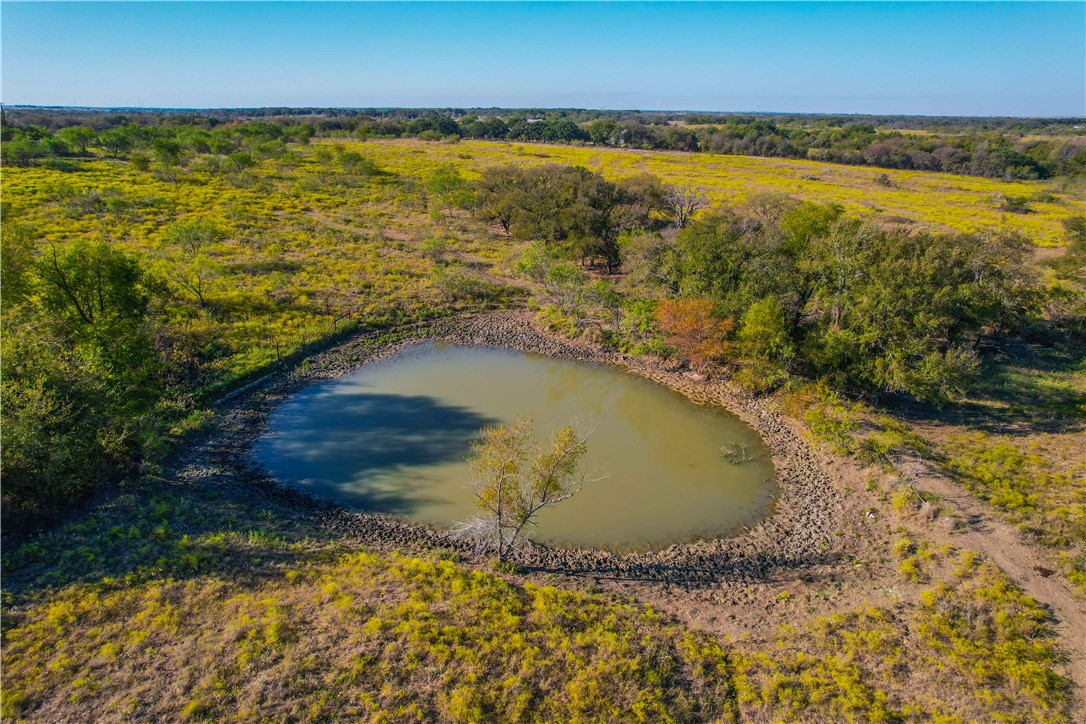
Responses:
[1033,478]
[382,638]
[974,649]
[257,612]
[1047,503]
[304,242]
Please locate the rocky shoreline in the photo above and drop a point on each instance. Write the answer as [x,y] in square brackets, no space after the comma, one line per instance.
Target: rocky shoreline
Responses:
[800,533]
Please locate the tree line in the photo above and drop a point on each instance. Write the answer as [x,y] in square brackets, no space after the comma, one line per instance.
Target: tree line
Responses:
[1008,149]
[142,143]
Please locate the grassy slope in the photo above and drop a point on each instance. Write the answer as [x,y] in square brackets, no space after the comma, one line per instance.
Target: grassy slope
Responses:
[182,600]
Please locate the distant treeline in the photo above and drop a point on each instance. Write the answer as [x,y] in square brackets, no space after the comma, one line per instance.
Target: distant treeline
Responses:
[1007,148]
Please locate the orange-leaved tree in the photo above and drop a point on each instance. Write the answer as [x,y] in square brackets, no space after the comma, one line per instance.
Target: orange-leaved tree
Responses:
[691,327]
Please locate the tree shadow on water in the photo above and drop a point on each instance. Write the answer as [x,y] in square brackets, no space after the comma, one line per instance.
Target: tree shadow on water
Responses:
[361,449]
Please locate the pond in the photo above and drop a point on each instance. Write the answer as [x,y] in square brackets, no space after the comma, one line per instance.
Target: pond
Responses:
[394,435]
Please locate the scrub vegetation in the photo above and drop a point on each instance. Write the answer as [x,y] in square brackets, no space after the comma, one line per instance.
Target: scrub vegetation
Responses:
[149,269]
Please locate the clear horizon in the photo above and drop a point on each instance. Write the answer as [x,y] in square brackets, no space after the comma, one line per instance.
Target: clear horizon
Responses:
[930,59]
[196,109]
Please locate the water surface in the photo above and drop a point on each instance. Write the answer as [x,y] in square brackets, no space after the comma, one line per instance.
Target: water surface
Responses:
[394,435]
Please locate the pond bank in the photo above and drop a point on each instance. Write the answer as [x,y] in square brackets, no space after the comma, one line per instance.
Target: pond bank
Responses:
[798,534]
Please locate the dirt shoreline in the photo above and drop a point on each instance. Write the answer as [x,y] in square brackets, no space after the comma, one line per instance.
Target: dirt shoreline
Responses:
[826,547]
[798,534]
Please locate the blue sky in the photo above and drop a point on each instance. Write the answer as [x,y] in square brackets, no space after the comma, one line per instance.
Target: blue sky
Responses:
[910,58]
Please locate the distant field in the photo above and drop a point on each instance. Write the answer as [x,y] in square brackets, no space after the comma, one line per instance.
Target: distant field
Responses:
[937,200]
[298,237]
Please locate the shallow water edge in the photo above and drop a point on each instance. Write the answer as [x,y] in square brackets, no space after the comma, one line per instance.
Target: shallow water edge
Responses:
[393,436]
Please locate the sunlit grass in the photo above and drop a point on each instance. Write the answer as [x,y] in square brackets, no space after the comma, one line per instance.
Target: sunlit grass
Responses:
[938,200]
[309,634]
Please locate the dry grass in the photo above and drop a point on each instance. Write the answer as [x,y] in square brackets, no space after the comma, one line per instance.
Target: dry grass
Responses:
[366,637]
[396,638]
[189,601]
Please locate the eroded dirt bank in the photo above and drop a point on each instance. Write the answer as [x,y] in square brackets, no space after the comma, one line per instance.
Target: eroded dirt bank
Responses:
[800,532]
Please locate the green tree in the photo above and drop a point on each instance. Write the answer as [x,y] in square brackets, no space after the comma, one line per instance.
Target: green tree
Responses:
[195,269]
[573,209]
[901,312]
[764,333]
[21,151]
[88,285]
[16,262]
[449,187]
[97,300]
[501,195]
[167,152]
[192,238]
[356,164]
[558,283]
[195,277]
[78,137]
[116,141]
[80,376]
[140,162]
[57,435]
[239,161]
[608,304]
[459,283]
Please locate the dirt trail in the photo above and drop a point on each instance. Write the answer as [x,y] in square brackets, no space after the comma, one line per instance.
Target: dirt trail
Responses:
[1003,545]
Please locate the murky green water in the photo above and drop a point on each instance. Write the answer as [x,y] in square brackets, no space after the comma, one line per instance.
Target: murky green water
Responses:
[393,437]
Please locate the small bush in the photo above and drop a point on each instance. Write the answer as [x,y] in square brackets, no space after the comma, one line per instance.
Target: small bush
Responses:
[1015,204]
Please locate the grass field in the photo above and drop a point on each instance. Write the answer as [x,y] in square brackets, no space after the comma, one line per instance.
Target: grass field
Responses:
[177,600]
[302,243]
[306,240]
[937,200]
[177,603]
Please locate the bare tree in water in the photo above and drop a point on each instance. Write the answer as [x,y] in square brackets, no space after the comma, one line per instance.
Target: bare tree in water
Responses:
[513,478]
